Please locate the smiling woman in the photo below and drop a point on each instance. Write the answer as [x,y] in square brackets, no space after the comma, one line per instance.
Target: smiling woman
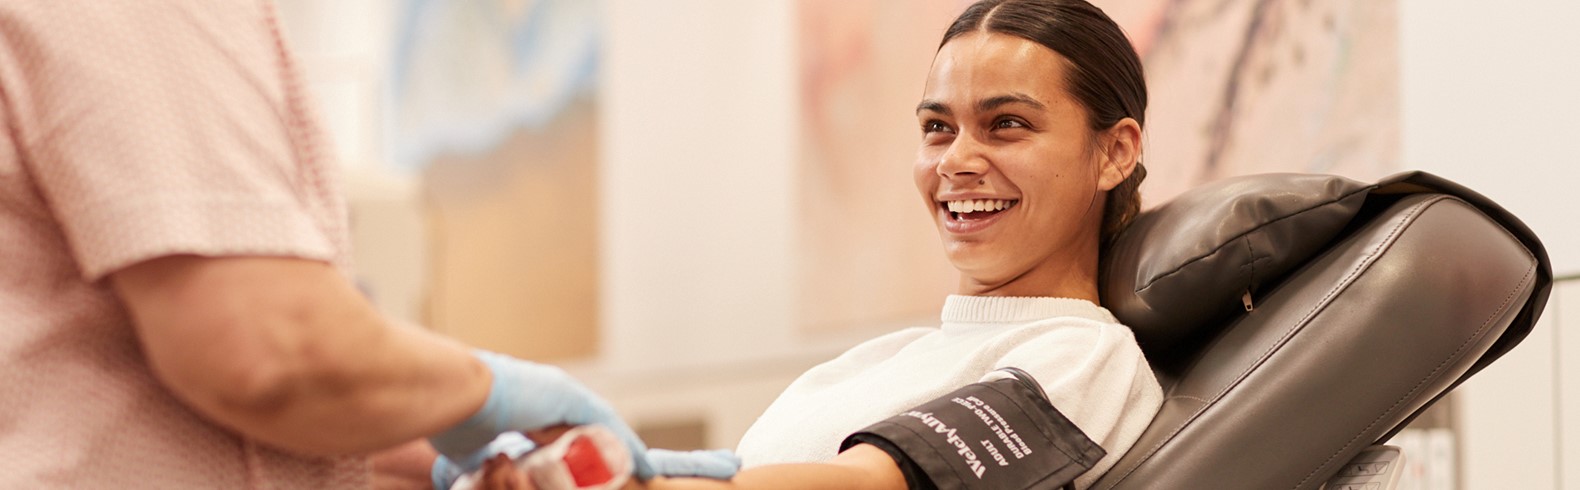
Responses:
[1030,122]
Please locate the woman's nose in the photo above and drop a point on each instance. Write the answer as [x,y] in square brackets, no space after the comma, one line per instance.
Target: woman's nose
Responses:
[963,160]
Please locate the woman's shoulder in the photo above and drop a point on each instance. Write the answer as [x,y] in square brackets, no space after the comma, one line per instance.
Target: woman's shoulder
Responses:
[886,345]
[1063,340]
[1076,326]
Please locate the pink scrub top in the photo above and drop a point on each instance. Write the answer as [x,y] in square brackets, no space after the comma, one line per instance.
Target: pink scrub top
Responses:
[131,130]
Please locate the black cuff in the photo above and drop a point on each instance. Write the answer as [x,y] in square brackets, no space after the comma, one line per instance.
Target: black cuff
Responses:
[996,434]
[915,478]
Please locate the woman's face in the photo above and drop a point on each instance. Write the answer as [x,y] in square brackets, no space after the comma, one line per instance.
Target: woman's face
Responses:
[1007,167]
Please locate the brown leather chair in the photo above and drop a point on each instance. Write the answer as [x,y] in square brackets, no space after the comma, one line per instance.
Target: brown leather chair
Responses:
[1295,320]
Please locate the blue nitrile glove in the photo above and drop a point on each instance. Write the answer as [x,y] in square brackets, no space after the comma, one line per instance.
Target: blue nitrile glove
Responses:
[527,396]
[719,464]
[445,472]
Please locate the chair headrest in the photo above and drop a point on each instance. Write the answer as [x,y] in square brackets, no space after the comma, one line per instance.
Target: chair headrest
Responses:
[1188,263]
[1182,268]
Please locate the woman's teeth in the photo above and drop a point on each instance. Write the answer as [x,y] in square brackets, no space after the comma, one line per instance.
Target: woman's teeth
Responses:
[976,205]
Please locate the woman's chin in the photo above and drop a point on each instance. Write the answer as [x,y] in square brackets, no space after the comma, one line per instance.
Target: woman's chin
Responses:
[964,255]
[975,249]
[973,260]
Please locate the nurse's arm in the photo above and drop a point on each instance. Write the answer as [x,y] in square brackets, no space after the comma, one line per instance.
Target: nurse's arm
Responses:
[288,352]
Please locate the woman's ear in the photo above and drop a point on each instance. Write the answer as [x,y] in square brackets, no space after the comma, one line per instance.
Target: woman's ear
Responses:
[1121,150]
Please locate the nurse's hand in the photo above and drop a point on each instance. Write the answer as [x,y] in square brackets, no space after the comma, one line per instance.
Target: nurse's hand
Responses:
[717,464]
[527,396]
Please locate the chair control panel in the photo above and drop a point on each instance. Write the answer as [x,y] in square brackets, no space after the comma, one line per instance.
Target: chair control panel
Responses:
[1375,468]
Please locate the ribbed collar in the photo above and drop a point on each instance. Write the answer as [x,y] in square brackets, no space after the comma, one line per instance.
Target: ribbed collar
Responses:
[998,309]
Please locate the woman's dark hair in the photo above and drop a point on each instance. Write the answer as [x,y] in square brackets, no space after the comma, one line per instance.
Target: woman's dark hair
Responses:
[1104,72]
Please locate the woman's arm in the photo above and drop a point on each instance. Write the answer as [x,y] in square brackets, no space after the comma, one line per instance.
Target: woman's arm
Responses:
[862,467]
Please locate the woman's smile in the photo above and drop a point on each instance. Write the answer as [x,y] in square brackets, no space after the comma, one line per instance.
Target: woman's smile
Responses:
[967,216]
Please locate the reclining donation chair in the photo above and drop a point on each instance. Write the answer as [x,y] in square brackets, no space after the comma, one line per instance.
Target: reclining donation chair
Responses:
[1296,320]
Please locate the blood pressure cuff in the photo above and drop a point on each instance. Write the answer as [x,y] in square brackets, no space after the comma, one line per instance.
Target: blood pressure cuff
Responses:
[993,434]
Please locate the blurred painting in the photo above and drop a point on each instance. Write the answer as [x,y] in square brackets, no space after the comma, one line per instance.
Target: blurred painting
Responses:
[1244,87]
[494,107]
[1236,87]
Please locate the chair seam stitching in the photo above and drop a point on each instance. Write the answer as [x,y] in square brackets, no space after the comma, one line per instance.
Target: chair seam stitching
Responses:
[1480,332]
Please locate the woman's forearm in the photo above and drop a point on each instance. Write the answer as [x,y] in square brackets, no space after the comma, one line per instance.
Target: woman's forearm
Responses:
[862,467]
[783,476]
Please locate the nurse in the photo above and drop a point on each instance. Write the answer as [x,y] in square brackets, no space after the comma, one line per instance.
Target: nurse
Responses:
[174,284]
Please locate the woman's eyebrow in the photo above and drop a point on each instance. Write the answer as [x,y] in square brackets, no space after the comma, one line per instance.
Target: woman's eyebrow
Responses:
[932,105]
[995,102]
[984,105]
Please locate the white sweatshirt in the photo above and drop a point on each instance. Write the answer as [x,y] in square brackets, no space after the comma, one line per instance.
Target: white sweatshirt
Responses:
[1088,363]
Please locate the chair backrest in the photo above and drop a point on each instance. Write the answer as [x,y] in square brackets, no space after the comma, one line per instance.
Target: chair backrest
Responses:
[1422,284]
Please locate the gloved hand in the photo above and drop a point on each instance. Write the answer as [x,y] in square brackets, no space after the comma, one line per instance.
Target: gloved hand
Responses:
[526,396]
[699,463]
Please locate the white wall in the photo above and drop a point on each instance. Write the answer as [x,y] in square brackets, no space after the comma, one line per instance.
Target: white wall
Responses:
[699,141]
[1490,100]
[700,147]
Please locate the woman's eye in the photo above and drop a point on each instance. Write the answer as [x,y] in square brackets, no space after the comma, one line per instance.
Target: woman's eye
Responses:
[935,127]
[1008,124]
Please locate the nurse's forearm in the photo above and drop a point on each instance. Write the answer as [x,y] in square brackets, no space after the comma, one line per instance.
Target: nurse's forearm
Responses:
[396,385]
[286,351]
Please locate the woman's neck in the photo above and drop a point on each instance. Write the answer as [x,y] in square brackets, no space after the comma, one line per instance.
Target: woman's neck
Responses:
[1055,278]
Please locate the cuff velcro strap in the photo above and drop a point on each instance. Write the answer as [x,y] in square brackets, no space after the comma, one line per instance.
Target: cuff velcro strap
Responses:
[993,434]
